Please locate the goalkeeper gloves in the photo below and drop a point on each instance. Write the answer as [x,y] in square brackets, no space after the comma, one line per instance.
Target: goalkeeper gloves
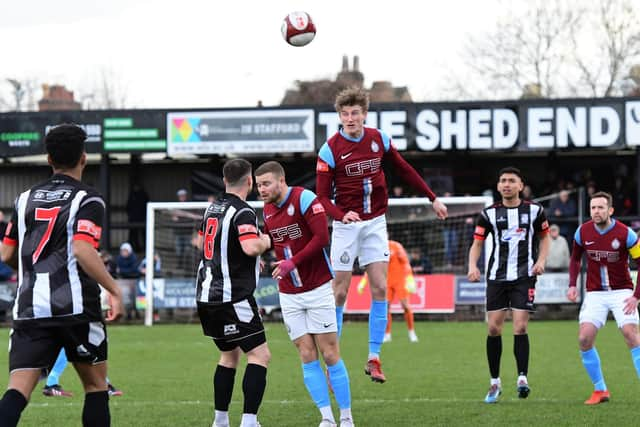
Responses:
[362,284]
[410,284]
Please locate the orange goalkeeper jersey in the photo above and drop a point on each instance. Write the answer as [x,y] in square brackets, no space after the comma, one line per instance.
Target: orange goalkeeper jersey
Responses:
[399,267]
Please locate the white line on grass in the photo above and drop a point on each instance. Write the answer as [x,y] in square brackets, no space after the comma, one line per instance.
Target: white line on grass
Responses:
[133,402]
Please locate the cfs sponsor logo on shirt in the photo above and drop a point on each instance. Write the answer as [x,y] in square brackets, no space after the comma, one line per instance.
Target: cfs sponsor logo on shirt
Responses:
[292,231]
[363,167]
[514,234]
[608,256]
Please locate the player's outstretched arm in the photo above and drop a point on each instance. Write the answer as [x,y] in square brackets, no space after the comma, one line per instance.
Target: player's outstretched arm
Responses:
[92,264]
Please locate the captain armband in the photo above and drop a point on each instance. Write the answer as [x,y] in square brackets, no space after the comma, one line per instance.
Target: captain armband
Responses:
[634,251]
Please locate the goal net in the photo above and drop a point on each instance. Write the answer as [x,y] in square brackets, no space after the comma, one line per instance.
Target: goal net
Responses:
[433,246]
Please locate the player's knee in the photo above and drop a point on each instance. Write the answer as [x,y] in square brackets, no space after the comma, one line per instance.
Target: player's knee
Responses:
[494,330]
[585,341]
[307,354]
[340,295]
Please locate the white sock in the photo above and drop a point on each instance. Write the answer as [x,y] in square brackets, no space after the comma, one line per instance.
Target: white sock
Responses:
[345,413]
[327,414]
[522,378]
[249,420]
[374,356]
[495,381]
[222,418]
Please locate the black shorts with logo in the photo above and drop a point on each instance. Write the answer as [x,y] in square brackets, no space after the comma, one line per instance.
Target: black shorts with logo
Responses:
[516,294]
[233,325]
[38,348]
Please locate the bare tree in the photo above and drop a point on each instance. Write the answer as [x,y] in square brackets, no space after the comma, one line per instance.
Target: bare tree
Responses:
[613,31]
[105,93]
[559,48]
[22,94]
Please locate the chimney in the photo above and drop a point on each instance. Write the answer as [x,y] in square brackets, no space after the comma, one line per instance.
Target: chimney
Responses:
[345,63]
[356,63]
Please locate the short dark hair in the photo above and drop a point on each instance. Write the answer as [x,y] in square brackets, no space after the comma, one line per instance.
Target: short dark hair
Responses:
[510,169]
[350,97]
[270,167]
[235,170]
[65,144]
[604,195]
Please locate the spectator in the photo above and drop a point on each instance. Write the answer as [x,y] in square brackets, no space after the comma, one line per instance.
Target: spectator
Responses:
[420,263]
[109,263]
[127,263]
[527,193]
[137,216]
[398,192]
[558,259]
[561,210]
[157,266]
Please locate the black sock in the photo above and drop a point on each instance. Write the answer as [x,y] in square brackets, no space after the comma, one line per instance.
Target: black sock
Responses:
[253,385]
[494,351]
[96,409]
[521,351]
[11,407]
[223,387]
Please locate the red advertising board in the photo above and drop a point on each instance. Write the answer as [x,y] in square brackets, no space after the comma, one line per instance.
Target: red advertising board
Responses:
[435,293]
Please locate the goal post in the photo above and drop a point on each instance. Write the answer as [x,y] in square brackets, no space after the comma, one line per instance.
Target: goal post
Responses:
[172,227]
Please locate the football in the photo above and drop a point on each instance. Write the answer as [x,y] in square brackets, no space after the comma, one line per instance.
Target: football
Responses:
[298,29]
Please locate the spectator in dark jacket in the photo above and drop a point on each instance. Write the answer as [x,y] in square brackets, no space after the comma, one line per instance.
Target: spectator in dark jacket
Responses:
[127,262]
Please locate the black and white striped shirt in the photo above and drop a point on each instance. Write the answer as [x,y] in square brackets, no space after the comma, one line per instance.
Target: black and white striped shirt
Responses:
[226,273]
[514,236]
[52,287]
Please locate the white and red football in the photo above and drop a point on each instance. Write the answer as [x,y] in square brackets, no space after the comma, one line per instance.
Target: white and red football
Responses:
[298,29]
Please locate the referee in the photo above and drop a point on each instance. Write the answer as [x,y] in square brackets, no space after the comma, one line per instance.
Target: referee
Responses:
[227,277]
[520,235]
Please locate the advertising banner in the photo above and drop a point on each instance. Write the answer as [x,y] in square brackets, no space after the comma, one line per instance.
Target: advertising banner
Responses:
[239,132]
[434,294]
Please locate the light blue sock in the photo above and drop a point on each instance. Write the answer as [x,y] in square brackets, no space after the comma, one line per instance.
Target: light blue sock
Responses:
[339,316]
[377,325]
[316,383]
[339,378]
[635,356]
[58,369]
[591,362]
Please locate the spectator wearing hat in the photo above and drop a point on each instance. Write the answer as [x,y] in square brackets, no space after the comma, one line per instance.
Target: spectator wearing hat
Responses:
[127,263]
[558,259]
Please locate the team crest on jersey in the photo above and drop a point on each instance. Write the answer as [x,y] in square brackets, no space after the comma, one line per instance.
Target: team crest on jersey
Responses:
[615,244]
[524,218]
[344,258]
[375,147]
[291,210]
[231,329]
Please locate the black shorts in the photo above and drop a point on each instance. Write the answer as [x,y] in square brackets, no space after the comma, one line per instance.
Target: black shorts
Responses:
[516,294]
[233,325]
[38,348]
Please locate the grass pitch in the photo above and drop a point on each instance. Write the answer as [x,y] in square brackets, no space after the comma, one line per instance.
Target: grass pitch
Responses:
[166,374]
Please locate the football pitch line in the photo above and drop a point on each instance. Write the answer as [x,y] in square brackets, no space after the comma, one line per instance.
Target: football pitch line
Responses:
[133,402]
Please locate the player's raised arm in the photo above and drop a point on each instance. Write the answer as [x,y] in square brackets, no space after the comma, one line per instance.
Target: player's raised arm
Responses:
[411,177]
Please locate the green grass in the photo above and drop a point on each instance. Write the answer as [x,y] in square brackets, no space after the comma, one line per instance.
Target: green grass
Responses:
[166,373]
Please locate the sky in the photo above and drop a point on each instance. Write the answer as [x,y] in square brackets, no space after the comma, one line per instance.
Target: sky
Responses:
[222,53]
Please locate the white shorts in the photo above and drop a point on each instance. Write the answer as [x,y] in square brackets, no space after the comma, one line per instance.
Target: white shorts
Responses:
[312,312]
[596,306]
[366,240]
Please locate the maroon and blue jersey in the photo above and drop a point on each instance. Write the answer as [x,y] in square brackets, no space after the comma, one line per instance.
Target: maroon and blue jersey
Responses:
[298,230]
[607,253]
[356,166]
